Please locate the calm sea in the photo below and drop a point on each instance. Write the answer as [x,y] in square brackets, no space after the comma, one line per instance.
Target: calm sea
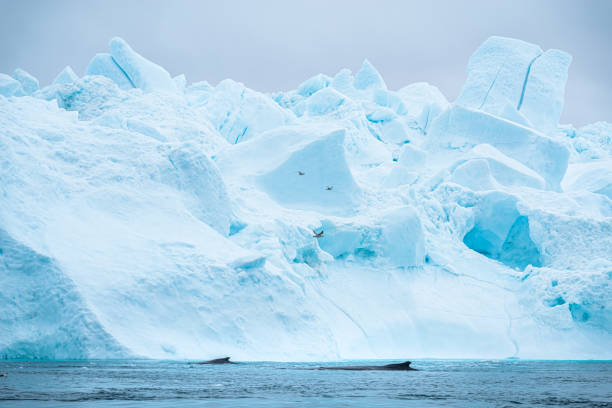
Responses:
[453,383]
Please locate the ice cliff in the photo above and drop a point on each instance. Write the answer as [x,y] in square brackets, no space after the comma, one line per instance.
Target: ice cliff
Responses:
[142,216]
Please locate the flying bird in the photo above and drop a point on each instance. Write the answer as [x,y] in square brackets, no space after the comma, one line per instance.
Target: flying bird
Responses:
[317,234]
[329,188]
[301,173]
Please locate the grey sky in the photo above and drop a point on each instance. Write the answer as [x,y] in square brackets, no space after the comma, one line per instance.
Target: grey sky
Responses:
[275,45]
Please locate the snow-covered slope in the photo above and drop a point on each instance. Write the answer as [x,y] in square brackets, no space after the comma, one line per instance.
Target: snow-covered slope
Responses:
[141,216]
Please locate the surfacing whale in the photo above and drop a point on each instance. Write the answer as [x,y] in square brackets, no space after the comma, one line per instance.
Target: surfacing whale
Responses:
[224,360]
[405,366]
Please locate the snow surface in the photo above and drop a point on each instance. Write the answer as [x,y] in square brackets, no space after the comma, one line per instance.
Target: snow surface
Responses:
[144,216]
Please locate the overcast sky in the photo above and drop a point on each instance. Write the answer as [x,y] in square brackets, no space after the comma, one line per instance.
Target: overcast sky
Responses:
[275,45]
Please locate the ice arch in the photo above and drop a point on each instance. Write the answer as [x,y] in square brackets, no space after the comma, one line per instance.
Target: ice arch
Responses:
[500,232]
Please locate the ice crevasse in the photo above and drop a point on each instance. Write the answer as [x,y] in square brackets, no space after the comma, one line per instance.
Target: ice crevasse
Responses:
[144,216]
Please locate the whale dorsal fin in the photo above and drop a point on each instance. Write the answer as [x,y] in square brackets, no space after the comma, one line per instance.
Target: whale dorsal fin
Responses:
[400,366]
[223,360]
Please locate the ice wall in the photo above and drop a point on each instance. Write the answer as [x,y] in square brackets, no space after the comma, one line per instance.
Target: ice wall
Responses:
[144,216]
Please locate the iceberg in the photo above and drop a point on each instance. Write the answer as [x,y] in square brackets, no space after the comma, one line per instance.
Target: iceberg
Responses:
[239,113]
[9,86]
[396,235]
[513,78]
[594,176]
[368,77]
[544,92]
[313,85]
[145,216]
[497,74]
[29,84]
[459,128]
[484,162]
[423,102]
[324,101]
[315,176]
[141,72]
[66,76]
[104,64]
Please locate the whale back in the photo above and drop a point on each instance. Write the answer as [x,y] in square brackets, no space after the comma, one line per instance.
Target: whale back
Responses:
[224,360]
[399,366]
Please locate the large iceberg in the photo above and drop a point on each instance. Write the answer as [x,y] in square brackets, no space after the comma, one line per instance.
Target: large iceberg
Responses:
[517,80]
[141,216]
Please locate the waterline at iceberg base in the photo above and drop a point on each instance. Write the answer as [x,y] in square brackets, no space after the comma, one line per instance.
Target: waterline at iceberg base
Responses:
[142,216]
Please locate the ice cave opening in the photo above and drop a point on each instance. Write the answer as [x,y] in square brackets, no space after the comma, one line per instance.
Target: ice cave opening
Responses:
[500,232]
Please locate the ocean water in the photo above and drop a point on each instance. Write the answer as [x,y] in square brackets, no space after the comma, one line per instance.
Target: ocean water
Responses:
[438,383]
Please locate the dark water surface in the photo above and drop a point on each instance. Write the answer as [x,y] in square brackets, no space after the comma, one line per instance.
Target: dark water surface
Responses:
[454,383]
